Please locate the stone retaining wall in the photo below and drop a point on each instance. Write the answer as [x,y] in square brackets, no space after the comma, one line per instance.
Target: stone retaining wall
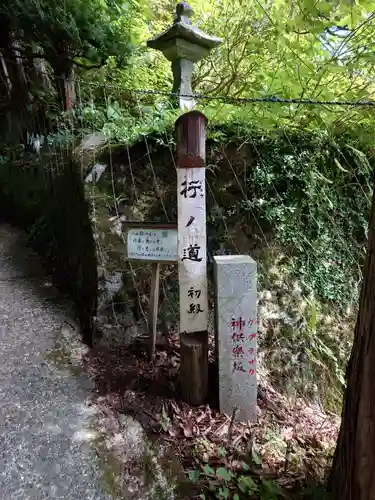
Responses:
[45,196]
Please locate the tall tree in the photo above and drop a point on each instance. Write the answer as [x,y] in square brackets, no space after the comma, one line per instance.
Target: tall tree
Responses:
[352,476]
[71,33]
[13,87]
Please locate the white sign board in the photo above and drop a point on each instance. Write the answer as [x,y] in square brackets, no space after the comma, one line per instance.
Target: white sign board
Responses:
[152,244]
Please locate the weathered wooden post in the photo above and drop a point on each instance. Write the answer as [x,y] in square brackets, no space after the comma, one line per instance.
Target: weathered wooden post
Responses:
[183,44]
[192,250]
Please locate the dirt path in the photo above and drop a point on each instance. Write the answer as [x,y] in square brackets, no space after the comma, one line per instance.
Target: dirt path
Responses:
[45,449]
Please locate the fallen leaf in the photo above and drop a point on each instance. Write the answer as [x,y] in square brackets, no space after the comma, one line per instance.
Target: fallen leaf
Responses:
[288,433]
[201,417]
[223,431]
[187,429]
[174,361]
[175,408]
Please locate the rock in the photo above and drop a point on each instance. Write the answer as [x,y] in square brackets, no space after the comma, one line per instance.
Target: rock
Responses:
[265,295]
[87,151]
[95,173]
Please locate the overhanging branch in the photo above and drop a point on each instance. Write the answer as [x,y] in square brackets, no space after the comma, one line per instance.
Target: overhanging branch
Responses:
[90,66]
[33,55]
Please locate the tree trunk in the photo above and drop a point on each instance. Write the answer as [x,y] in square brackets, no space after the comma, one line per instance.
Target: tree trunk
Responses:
[39,123]
[6,83]
[38,71]
[15,38]
[352,476]
[64,78]
[17,87]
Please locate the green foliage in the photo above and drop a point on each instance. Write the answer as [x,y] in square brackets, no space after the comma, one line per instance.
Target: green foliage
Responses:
[247,482]
[310,194]
[300,203]
[287,49]
[316,197]
[74,29]
[223,483]
[121,124]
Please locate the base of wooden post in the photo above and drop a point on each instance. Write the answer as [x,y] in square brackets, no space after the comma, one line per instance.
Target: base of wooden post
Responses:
[153,309]
[194,367]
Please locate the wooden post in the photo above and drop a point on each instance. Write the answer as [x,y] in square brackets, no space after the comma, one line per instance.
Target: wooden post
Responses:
[192,251]
[153,308]
[193,367]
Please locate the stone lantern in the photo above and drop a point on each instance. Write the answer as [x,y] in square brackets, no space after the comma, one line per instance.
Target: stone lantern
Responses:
[184,44]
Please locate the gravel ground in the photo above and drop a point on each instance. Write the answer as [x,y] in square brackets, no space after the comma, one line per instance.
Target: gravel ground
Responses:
[45,447]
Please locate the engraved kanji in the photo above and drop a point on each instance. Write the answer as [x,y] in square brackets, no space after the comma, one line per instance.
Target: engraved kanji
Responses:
[189,190]
[238,351]
[238,366]
[195,309]
[192,253]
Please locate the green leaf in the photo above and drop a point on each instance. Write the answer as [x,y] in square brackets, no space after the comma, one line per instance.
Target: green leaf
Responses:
[223,493]
[247,485]
[193,475]
[338,164]
[256,458]
[208,470]
[224,474]
[221,452]
[271,489]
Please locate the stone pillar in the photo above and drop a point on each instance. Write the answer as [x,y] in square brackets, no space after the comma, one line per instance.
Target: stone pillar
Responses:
[236,334]
[182,70]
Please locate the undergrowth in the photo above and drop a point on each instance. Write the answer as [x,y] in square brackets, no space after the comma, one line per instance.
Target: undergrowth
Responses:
[304,342]
[223,484]
[247,482]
